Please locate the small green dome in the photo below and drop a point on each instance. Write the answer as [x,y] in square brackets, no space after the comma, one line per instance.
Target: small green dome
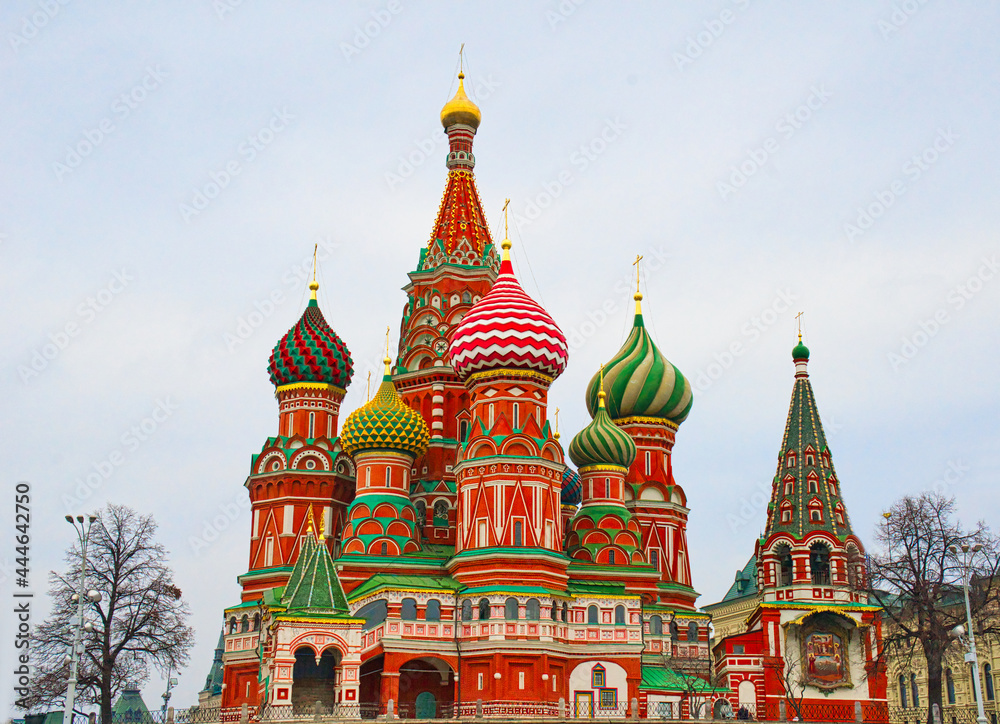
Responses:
[602,443]
[641,382]
[385,423]
[800,351]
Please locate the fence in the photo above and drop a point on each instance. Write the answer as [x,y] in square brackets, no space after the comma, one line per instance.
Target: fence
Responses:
[517,711]
[950,714]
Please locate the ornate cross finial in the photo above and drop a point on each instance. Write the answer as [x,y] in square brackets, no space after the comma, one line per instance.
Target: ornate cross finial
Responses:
[387,359]
[368,388]
[314,285]
[798,318]
[638,295]
[461,59]
[309,520]
[556,435]
[600,390]
[505,244]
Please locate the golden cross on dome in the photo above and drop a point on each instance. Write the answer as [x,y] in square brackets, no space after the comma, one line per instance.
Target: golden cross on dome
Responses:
[314,285]
[600,394]
[798,318]
[557,424]
[461,59]
[638,295]
[368,388]
[387,359]
[505,244]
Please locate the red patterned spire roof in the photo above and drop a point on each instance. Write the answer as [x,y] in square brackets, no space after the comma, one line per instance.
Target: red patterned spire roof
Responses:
[507,329]
[461,216]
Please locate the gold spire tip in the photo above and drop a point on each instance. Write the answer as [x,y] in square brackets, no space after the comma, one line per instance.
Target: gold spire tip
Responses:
[309,519]
[798,318]
[314,285]
[386,360]
[556,435]
[505,244]
[322,527]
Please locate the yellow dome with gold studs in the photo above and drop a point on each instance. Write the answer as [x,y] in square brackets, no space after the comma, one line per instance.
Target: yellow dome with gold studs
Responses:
[460,109]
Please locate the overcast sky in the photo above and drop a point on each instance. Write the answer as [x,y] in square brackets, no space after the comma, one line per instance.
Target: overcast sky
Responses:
[838,159]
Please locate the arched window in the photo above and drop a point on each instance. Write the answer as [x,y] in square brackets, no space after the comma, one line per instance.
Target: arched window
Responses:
[902,691]
[409,610]
[421,507]
[466,610]
[244,624]
[565,613]
[591,614]
[692,631]
[619,615]
[533,610]
[988,682]
[256,623]
[484,609]
[819,562]
[518,533]
[611,557]
[441,514]
[232,625]
[656,626]
[914,691]
[785,566]
[517,415]
[384,548]
[949,684]
[466,298]
[510,609]
[463,430]
[555,611]
[674,633]
[373,613]
[433,610]
[654,559]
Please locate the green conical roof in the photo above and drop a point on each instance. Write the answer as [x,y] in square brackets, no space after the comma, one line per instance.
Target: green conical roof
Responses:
[313,586]
[130,707]
[385,423]
[805,479]
[602,442]
[641,382]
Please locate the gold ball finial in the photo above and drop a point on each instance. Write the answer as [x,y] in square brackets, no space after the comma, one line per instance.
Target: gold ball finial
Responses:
[313,286]
[506,245]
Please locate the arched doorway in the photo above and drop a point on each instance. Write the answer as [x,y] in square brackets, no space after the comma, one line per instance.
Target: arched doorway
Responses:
[722,709]
[370,686]
[314,678]
[426,688]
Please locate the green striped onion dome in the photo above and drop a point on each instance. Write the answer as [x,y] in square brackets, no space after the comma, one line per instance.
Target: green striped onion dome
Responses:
[641,382]
[602,442]
[385,423]
[311,352]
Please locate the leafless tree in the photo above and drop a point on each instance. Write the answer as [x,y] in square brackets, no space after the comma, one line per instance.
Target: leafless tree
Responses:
[794,682]
[139,623]
[918,581]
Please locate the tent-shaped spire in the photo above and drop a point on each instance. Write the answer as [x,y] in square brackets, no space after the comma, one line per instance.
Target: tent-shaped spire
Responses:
[314,586]
[805,494]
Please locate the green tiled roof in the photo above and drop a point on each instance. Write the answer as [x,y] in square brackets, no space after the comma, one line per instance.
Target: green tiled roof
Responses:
[392,580]
[745,583]
[313,586]
[664,679]
[596,588]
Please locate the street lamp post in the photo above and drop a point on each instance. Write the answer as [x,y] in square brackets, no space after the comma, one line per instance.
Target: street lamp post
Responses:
[82,527]
[171,683]
[971,657]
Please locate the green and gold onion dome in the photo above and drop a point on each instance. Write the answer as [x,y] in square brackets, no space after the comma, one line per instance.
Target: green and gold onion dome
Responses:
[311,352]
[385,423]
[641,382]
[602,442]
[800,351]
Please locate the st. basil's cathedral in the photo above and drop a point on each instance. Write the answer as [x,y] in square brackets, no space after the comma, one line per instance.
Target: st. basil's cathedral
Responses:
[436,556]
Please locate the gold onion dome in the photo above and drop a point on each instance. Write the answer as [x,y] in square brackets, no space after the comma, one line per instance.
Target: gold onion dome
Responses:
[602,442]
[385,423]
[461,109]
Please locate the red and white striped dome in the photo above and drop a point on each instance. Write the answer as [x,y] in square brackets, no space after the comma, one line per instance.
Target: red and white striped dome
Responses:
[507,329]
